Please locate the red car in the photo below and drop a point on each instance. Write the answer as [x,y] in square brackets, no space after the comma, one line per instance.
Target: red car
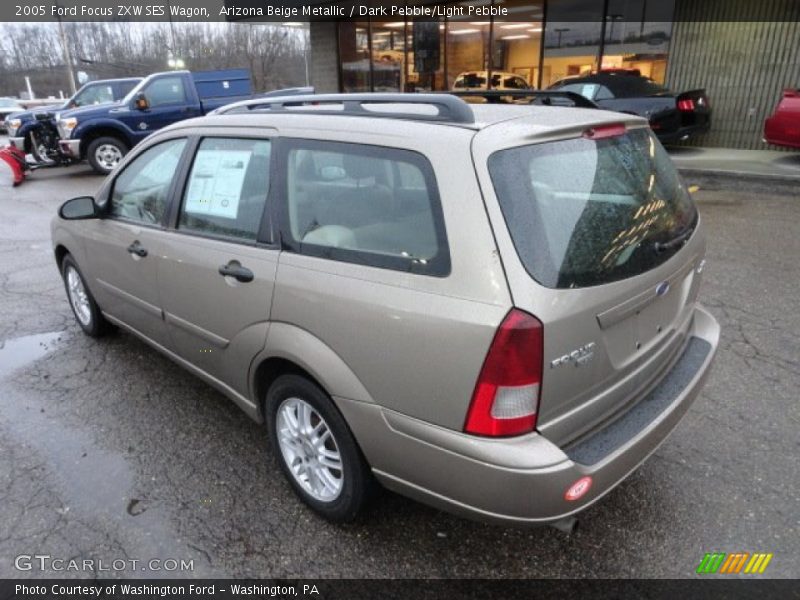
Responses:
[783,127]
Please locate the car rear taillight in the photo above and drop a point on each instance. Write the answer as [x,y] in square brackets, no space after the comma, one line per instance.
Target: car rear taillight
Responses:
[604,131]
[506,395]
[686,104]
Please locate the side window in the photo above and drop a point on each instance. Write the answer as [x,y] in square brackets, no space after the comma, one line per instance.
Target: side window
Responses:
[603,93]
[364,204]
[140,191]
[227,188]
[95,94]
[168,90]
[587,90]
[516,83]
[126,87]
[99,94]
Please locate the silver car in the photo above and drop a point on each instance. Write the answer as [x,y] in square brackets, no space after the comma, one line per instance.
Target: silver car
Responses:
[491,309]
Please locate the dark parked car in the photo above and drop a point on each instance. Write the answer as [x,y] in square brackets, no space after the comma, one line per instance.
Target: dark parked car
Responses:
[673,117]
[783,127]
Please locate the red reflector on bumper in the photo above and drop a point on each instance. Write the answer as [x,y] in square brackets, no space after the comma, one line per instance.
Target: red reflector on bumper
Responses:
[578,489]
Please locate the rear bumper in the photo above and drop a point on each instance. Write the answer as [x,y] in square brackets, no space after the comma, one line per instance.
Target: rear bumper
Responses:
[523,480]
[682,133]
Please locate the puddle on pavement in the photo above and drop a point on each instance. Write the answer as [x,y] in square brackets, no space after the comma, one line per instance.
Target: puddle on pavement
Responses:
[96,484]
[26,350]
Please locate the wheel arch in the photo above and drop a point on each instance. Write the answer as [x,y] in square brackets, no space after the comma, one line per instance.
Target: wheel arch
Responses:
[60,252]
[290,349]
[102,131]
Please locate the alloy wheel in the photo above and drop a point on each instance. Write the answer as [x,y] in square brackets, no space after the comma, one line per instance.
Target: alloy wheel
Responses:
[309,449]
[77,296]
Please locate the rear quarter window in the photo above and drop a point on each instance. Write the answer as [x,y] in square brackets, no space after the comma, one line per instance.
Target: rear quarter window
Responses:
[587,212]
[363,204]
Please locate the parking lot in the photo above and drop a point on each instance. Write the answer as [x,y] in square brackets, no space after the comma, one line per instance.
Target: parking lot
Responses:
[110,451]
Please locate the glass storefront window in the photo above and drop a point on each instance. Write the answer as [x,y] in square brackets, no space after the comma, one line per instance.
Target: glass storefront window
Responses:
[467,52]
[516,44]
[570,50]
[573,32]
[637,36]
[426,56]
[355,56]
[517,51]
[388,56]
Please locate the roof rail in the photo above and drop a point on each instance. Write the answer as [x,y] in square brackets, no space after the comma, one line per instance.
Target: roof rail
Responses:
[258,100]
[449,108]
[545,97]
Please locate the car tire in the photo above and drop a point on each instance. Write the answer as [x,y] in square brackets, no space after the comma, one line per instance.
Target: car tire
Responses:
[83,305]
[105,153]
[298,454]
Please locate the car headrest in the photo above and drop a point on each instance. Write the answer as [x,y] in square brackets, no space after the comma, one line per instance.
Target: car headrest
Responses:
[360,167]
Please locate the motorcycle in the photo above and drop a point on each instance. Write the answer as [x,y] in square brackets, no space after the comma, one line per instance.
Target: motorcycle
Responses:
[44,142]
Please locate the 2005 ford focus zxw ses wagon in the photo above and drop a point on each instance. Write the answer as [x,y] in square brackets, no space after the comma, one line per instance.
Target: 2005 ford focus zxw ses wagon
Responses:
[491,309]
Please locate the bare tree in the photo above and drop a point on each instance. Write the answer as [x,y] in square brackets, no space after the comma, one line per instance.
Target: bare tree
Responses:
[273,54]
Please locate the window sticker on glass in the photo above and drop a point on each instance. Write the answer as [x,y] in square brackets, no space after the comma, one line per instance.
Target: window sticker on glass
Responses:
[216,184]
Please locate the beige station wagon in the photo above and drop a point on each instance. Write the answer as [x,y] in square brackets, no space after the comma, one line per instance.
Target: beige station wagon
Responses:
[490,309]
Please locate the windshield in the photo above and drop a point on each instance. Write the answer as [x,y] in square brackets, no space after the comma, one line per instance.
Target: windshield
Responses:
[586,212]
[94,94]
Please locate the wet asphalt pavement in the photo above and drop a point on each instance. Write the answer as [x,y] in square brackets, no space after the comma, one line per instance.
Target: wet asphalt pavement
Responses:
[109,451]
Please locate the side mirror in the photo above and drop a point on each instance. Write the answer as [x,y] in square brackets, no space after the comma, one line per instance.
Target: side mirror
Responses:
[82,207]
[141,102]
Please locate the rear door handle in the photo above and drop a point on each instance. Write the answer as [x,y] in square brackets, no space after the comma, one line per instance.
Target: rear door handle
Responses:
[136,248]
[237,271]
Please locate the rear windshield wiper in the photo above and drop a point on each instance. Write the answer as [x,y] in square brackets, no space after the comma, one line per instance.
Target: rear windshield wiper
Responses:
[678,240]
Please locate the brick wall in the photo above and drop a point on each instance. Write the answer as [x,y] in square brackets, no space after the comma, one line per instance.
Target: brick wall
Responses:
[324,56]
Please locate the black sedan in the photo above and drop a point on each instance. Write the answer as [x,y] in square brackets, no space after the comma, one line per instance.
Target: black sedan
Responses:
[673,117]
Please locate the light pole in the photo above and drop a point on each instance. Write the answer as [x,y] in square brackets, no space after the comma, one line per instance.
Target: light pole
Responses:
[559,31]
[613,19]
[65,50]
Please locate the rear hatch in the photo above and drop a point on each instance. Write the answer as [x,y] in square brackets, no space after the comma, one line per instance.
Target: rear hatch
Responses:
[602,246]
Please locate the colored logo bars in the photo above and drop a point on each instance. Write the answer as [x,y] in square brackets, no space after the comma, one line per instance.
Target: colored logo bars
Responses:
[738,562]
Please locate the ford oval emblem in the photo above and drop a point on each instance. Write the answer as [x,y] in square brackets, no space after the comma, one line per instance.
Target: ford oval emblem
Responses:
[662,288]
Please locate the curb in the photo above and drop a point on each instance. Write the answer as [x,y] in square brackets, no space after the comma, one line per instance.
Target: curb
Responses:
[742,182]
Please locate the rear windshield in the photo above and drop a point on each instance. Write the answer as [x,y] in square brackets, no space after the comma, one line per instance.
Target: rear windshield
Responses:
[587,212]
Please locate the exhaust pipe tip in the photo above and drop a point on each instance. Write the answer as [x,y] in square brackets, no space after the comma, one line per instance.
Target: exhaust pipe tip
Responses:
[566,525]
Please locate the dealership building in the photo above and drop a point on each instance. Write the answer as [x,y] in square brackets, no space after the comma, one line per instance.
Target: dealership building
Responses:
[742,52]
